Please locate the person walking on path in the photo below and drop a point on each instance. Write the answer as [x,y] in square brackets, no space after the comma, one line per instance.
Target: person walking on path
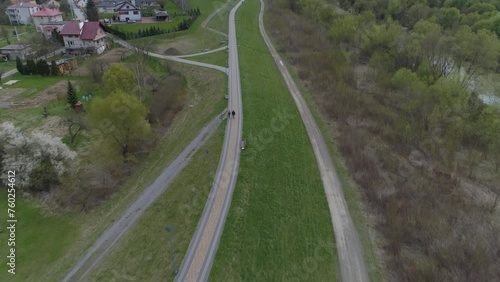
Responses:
[234,114]
[228,114]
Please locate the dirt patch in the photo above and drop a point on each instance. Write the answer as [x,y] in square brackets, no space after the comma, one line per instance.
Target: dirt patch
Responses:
[53,126]
[172,52]
[44,97]
[8,93]
[111,56]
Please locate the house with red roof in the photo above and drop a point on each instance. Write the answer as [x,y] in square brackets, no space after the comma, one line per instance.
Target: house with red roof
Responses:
[88,37]
[46,15]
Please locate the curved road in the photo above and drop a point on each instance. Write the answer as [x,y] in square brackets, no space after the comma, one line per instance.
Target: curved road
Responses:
[349,250]
[201,252]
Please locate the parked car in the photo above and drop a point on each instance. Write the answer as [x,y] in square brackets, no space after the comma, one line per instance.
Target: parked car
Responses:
[131,21]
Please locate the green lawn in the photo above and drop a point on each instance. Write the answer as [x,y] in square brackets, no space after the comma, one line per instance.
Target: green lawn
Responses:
[7,66]
[25,33]
[217,58]
[205,101]
[143,253]
[279,226]
[40,238]
[220,21]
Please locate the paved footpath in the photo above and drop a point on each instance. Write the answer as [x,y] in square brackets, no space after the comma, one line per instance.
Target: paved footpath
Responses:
[201,252]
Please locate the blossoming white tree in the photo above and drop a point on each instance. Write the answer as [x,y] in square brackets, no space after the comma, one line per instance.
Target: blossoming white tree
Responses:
[38,152]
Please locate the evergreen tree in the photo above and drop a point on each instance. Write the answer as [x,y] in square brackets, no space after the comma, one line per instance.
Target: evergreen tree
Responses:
[30,67]
[71,95]
[19,65]
[54,70]
[42,68]
[92,13]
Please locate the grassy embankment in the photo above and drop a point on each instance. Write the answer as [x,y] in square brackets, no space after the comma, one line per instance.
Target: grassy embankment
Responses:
[279,225]
[80,230]
[217,58]
[144,253]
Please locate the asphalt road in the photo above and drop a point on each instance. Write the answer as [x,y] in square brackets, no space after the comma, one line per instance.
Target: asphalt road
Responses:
[199,258]
[79,15]
[349,250]
[109,237]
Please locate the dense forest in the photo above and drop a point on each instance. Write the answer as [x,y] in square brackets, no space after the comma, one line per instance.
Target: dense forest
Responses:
[398,79]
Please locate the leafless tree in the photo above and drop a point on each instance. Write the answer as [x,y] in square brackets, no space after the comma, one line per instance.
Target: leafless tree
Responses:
[76,123]
[96,68]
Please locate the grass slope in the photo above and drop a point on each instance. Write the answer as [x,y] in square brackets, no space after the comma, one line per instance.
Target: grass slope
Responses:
[217,58]
[279,226]
[144,253]
[40,238]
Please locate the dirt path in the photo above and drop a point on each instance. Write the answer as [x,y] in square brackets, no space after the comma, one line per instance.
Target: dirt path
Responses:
[349,250]
[109,237]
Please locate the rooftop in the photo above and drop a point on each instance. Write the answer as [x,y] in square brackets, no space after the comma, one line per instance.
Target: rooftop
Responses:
[45,12]
[15,47]
[23,5]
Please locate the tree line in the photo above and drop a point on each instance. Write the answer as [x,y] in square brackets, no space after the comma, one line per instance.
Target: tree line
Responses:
[185,24]
[38,67]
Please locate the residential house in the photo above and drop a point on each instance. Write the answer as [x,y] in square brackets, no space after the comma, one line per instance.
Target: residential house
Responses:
[128,12]
[45,15]
[81,3]
[108,6]
[12,51]
[88,37]
[51,4]
[20,13]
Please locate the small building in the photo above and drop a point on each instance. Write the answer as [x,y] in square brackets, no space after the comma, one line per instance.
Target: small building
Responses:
[128,12]
[20,13]
[45,15]
[161,15]
[79,107]
[108,6]
[84,36]
[15,50]
[48,27]
[65,65]
[51,4]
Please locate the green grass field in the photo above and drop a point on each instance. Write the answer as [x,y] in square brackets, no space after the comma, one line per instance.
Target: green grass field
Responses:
[135,27]
[279,226]
[144,253]
[204,99]
[6,66]
[40,238]
[220,21]
[217,58]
